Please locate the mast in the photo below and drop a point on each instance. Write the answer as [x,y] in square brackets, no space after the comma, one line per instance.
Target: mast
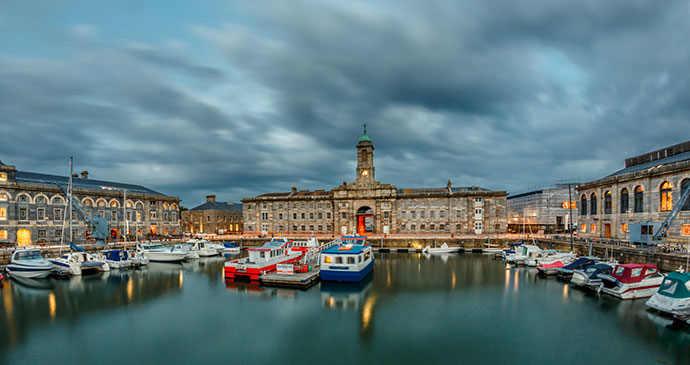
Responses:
[69,193]
[124,213]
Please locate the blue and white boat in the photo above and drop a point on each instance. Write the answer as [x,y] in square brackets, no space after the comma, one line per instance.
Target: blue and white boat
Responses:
[116,259]
[230,248]
[351,260]
[29,263]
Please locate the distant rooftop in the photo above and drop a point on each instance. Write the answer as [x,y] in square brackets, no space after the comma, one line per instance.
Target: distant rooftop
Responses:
[660,154]
[209,205]
[36,178]
[653,163]
[440,190]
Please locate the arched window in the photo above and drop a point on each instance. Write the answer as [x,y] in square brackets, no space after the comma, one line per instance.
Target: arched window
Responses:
[114,204]
[607,202]
[593,204]
[639,199]
[583,205]
[87,202]
[666,198]
[625,200]
[684,186]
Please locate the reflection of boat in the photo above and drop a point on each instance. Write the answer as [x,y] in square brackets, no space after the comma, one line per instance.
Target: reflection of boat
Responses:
[160,253]
[28,263]
[566,273]
[351,260]
[262,260]
[32,283]
[443,249]
[673,296]
[345,296]
[589,277]
[75,263]
[630,281]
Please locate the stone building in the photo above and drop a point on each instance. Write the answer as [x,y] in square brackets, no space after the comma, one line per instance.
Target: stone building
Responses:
[368,206]
[213,217]
[33,208]
[546,210]
[645,191]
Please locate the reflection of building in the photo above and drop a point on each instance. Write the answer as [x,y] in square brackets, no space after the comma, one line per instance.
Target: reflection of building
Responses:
[213,217]
[544,210]
[372,207]
[32,207]
[645,191]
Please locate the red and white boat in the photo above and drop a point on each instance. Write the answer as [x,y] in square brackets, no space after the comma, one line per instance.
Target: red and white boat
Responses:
[550,268]
[262,260]
[630,281]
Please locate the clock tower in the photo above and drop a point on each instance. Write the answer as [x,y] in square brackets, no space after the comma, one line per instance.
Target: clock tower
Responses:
[365,160]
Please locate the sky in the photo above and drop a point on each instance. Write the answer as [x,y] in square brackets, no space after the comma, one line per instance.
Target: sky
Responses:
[241,98]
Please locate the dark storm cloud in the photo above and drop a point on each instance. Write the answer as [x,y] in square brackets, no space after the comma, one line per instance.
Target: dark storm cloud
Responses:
[502,95]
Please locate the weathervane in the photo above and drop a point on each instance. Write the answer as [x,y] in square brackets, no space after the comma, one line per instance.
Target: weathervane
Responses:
[365,127]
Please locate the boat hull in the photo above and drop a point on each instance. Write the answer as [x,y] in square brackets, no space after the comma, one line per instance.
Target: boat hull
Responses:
[235,270]
[625,291]
[346,275]
[166,256]
[676,306]
[24,271]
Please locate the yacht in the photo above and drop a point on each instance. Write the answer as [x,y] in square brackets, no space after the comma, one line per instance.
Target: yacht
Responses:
[205,248]
[566,272]
[262,260]
[630,281]
[116,259]
[189,248]
[230,248]
[673,296]
[159,253]
[589,277]
[138,257]
[28,263]
[351,260]
[443,249]
[76,263]
[521,254]
[548,257]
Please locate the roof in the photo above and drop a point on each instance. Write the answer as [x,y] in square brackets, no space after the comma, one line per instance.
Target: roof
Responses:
[218,206]
[298,193]
[653,164]
[270,245]
[354,250]
[36,178]
[637,266]
[364,137]
[440,190]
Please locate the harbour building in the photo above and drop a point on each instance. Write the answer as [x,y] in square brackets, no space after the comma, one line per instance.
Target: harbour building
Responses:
[213,217]
[33,208]
[634,201]
[543,210]
[367,206]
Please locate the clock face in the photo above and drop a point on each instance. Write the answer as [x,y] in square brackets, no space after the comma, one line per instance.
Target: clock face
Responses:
[365,172]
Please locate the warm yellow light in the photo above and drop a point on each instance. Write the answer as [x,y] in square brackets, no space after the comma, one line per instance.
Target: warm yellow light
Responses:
[327,259]
[130,288]
[52,305]
[181,279]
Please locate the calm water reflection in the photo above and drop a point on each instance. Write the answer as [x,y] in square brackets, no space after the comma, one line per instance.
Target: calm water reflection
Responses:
[415,308]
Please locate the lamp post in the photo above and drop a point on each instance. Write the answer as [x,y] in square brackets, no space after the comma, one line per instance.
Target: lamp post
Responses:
[570,213]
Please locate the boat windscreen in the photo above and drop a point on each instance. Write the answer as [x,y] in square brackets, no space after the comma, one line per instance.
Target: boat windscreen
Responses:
[28,255]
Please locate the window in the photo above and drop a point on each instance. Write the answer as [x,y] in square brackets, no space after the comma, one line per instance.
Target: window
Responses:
[625,200]
[328,215]
[280,216]
[459,214]
[432,227]
[58,233]
[152,204]
[129,216]
[23,199]
[458,227]
[294,215]
[684,186]
[138,216]
[113,204]
[303,227]
[264,227]
[320,228]
[41,200]
[41,233]
[583,205]
[432,214]
[23,214]
[264,215]
[165,216]
[478,211]
[3,213]
[477,200]
[311,216]
[422,227]
[152,215]
[320,215]
[639,199]
[666,198]
[3,176]
[338,259]
[129,204]
[40,213]
[593,228]
[304,215]
[441,227]
[57,214]
[593,204]
[624,228]
[3,197]
[412,214]
[412,227]
[607,202]
[685,229]
[350,260]
[343,215]
[311,228]
[327,259]
[3,235]
[421,214]
[636,272]
[478,225]
[385,215]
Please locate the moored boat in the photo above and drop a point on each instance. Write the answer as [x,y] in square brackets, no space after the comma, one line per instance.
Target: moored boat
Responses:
[589,276]
[231,248]
[550,269]
[566,272]
[262,260]
[350,261]
[76,263]
[28,263]
[443,249]
[630,281]
[673,295]
[521,254]
[116,259]
[160,253]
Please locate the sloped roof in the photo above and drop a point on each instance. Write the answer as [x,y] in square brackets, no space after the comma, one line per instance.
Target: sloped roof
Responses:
[36,178]
[219,206]
[440,190]
[648,165]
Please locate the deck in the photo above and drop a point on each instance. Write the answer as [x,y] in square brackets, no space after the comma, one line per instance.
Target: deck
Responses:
[302,280]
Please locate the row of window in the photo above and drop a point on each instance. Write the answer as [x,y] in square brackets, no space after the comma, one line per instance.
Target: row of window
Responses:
[296,228]
[58,200]
[57,214]
[302,205]
[624,228]
[665,200]
[350,259]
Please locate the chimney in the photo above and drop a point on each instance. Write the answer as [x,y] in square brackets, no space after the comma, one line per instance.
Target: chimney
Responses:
[210,199]
[84,174]
[450,190]
[294,188]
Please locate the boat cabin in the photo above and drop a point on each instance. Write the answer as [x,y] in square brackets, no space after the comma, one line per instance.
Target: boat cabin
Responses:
[273,248]
[676,285]
[596,269]
[115,255]
[346,255]
[634,273]
[31,254]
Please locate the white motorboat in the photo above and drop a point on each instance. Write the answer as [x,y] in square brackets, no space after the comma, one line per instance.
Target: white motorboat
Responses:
[443,249]
[520,256]
[116,259]
[159,253]
[673,296]
[546,257]
[230,248]
[630,281]
[29,263]
[75,263]
[191,250]
[138,257]
[206,248]
[589,277]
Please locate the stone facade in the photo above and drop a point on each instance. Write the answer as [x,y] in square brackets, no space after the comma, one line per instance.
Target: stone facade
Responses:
[645,191]
[32,208]
[543,210]
[368,206]
[213,217]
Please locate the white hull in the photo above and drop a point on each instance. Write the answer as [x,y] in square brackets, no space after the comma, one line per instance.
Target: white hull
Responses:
[118,264]
[62,265]
[193,254]
[644,289]
[232,251]
[207,252]
[24,272]
[166,256]
[676,306]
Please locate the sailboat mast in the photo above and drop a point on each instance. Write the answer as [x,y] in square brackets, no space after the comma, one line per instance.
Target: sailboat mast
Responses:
[69,192]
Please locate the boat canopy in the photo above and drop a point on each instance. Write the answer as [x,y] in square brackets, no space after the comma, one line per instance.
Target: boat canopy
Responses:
[633,273]
[230,244]
[351,249]
[676,285]
[115,255]
[271,245]
[579,263]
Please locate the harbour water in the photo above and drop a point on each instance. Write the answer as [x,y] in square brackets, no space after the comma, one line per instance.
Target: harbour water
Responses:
[453,308]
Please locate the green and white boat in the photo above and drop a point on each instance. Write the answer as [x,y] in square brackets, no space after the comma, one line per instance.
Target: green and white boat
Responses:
[673,296]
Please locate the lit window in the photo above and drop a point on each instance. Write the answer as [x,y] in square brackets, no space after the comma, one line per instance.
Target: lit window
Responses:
[685,230]
[3,213]
[3,196]
[666,197]
[3,235]
[583,227]
[327,259]
[624,228]
[3,176]
[101,203]
[129,204]
[113,204]
[138,216]
[593,228]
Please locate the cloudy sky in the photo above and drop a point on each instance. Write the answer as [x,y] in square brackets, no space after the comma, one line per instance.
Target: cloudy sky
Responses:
[241,98]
